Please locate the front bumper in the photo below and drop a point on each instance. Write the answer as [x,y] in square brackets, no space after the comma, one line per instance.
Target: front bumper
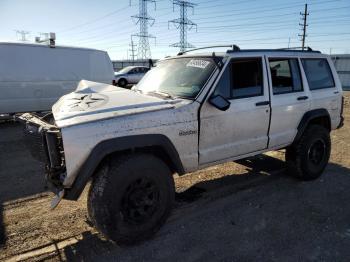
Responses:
[44,142]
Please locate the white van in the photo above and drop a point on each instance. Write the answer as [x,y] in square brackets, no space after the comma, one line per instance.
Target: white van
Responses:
[34,76]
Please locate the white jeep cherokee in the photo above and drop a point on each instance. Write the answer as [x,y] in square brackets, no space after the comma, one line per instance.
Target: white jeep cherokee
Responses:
[187,113]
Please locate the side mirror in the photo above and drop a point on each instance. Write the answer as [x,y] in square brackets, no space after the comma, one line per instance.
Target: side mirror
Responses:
[220,102]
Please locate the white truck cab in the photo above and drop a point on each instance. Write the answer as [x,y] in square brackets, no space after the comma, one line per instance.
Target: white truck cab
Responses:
[189,112]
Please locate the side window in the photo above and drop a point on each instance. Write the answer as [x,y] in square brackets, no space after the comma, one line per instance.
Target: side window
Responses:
[241,78]
[246,78]
[285,75]
[318,73]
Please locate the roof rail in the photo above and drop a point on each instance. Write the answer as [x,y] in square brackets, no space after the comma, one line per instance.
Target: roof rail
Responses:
[233,47]
[306,48]
[291,49]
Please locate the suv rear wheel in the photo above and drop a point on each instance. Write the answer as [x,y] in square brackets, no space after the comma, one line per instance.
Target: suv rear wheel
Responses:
[309,157]
[131,197]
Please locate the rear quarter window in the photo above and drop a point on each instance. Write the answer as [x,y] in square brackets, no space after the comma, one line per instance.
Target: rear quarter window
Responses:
[318,73]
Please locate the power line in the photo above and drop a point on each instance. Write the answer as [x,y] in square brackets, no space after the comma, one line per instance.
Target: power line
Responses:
[143,19]
[94,20]
[183,23]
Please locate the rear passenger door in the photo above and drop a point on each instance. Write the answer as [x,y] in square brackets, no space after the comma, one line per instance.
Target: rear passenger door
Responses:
[243,128]
[289,99]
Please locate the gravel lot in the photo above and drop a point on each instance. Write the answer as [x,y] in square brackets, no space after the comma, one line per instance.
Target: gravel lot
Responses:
[246,211]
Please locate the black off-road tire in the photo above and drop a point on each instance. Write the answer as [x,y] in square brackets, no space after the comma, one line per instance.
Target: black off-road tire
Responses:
[131,197]
[309,157]
[122,82]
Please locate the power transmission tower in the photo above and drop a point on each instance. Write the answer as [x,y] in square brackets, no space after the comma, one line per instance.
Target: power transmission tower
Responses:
[132,50]
[22,35]
[183,23]
[144,20]
[304,25]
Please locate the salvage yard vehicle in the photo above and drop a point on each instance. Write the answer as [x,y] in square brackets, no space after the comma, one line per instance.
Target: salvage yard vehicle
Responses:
[190,112]
[34,76]
[130,75]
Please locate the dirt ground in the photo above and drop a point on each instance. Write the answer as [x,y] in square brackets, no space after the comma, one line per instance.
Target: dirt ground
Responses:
[245,211]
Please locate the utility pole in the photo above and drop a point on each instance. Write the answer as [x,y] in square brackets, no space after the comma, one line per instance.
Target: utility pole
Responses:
[144,20]
[132,50]
[183,23]
[22,35]
[304,25]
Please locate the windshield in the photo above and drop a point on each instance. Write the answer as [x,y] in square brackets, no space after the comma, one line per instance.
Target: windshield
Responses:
[180,77]
[125,70]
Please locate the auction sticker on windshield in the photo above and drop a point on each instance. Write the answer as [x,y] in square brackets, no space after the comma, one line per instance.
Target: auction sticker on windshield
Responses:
[198,63]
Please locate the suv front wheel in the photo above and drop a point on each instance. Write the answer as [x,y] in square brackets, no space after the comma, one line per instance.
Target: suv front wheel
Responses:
[309,157]
[131,197]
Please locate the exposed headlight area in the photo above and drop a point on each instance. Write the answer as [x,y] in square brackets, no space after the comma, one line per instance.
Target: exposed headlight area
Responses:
[44,141]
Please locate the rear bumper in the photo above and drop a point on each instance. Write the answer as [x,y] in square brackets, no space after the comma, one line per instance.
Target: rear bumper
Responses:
[44,142]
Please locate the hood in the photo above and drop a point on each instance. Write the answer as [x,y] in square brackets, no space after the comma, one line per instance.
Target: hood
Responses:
[93,101]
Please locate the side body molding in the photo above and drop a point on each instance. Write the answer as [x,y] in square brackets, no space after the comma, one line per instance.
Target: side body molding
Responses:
[307,119]
[110,146]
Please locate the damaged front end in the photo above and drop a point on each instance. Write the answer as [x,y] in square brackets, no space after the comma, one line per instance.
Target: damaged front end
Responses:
[44,141]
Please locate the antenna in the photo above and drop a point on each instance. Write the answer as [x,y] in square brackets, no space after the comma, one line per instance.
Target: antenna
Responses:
[183,23]
[144,20]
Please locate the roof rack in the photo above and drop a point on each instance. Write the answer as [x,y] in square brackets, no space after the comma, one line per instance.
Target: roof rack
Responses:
[233,48]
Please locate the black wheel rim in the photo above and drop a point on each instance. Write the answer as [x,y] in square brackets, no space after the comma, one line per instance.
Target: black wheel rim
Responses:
[317,152]
[140,201]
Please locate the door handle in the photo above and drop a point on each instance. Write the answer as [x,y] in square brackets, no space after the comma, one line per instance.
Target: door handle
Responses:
[303,98]
[264,103]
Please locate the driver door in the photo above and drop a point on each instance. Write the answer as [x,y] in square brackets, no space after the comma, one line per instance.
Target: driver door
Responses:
[243,127]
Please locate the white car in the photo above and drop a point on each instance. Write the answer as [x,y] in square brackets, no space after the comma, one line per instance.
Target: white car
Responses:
[130,75]
[34,76]
[190,112]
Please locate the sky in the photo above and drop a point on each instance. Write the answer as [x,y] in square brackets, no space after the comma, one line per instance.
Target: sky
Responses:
[107,24]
